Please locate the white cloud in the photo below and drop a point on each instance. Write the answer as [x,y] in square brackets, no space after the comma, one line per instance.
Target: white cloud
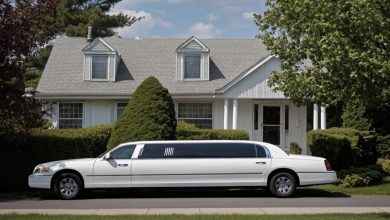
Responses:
[143,27]
[212,17]
[202,30]
[248,16]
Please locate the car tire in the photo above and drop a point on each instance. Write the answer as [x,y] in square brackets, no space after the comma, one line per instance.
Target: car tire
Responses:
[68,186]
[282,184]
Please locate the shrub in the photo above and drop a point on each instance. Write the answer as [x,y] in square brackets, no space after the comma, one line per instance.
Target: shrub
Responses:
[294,148]
[187,131]
[362,176]
[334,147]
[383,147]
[384,164]
[150,115]
[354,117]
[48,145]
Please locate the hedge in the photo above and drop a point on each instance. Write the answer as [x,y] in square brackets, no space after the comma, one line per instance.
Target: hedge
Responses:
[185,131]
[48,145]
[344,147]
[360,176]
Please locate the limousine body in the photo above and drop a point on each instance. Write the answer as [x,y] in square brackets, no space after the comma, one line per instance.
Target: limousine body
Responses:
[185,164]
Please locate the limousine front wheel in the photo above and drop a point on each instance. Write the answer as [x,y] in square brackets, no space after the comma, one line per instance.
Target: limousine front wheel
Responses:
[68,186]
[282,184]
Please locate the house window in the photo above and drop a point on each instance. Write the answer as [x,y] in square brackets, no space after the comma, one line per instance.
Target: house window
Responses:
[199,114]
[192,67]
[99,67]
[120,107]
[70,115]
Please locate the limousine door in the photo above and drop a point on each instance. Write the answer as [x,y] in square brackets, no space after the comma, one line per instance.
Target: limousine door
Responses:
[195,165]
[115,171]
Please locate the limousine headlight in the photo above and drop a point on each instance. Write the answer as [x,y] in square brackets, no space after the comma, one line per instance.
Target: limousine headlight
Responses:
[41,170]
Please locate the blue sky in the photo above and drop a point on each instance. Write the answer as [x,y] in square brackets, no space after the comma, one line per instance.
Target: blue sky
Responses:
[184,18]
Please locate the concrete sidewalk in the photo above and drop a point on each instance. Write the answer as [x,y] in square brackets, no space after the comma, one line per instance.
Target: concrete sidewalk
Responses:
[192,211]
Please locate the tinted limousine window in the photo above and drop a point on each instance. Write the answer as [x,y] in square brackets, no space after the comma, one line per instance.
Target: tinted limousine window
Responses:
[201,150]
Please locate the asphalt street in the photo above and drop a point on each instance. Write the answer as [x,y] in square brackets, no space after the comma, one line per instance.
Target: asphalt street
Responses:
[194,198]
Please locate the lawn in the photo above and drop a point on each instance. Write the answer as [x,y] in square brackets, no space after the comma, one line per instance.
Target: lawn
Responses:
[379,189]
[202,217]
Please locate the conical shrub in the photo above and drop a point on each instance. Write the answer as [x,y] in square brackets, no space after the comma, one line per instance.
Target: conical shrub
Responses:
[150,115]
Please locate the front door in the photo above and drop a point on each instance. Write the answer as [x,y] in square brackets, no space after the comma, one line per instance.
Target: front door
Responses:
[268,121]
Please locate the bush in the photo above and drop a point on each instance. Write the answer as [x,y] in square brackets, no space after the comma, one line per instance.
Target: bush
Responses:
[334,147]
[362,176]
[294,148]
[48,145]
[150,115]
[354,117]
[383,147]
[362,145]
[187,131]
[384,164]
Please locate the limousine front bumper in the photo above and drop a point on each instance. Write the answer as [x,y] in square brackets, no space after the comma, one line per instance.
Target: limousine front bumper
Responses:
[314,178]
[39,181]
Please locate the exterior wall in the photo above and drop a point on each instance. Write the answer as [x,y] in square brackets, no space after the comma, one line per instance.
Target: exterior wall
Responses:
[255,84]
[297,127]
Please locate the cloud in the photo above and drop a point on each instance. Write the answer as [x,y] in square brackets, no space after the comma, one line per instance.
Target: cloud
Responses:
[212,17]
[143,27]
[248,15]
[202,30]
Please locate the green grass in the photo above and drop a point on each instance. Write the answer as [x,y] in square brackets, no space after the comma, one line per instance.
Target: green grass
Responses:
[379,189]
[380,216]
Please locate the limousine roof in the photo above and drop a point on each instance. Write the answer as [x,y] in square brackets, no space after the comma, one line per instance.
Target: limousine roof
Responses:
[275,151]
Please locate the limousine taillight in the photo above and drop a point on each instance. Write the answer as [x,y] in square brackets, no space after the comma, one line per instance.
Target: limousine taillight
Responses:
[328,166]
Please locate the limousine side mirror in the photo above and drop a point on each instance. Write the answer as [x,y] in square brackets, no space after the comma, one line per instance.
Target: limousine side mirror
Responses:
[107,156]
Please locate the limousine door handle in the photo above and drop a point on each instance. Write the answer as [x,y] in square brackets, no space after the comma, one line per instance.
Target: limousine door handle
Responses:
[123,165]
[261,163]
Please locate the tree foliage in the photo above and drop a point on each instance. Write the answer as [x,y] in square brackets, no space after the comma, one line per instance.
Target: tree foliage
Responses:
[150,115]
[76,15]
[354,116]
[25,25]
[330,50]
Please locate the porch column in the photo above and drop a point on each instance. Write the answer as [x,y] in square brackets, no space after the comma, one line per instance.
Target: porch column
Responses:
[225,114]
[323,117]
[315,117]
[235,110]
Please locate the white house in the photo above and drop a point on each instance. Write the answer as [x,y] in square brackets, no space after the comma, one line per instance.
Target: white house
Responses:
[215,83]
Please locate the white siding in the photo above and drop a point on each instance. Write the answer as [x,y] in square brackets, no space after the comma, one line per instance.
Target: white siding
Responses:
[206,66]
[111,67]
[218,114]
[87,67]
[193,45]
[99,47]
[255,84]
[179,66]
[297,127]
[245,117]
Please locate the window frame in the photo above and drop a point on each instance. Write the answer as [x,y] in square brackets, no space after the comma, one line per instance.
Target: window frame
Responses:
[82,114]
[188,118]
[185,55]
[107,68]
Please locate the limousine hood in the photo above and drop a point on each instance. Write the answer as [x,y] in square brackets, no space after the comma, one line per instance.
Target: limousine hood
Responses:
[304,157]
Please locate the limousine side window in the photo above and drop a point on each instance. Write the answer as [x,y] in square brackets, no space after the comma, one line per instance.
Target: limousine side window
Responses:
[124,152]
[199,150]
[261,153]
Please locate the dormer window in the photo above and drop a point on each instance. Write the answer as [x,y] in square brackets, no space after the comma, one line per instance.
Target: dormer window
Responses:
[192,67]
[99,67]
[101,61]
[192,61]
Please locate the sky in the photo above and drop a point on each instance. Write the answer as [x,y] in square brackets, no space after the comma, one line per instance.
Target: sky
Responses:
[186,18]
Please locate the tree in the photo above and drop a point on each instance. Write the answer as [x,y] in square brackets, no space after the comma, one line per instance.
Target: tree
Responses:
[331,51]
[354,116]
[76,15]
[150,115]
[25,25]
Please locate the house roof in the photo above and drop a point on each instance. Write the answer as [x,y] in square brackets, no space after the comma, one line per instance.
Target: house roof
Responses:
[141,58]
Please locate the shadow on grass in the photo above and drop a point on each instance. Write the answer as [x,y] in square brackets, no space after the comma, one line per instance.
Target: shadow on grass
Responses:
[169,193]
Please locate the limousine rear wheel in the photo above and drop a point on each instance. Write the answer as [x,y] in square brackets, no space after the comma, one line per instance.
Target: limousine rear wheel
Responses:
[68,186]
[282,184]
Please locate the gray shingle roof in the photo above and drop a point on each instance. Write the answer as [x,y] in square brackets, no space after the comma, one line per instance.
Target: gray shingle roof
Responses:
[63,74]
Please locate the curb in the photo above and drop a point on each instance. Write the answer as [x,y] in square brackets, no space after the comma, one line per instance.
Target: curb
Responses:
[203,211]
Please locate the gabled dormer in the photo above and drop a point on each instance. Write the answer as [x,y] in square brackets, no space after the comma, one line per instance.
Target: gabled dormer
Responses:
[100,61]
[193,58]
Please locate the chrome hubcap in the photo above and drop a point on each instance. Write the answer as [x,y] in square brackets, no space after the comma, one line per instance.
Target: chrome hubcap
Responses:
[283,184]
[68,187]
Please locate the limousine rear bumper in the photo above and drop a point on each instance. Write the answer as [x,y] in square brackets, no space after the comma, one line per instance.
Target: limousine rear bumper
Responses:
[39,181]
[316,178]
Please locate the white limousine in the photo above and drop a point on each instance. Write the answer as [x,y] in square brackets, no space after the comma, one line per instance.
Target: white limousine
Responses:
[185,164]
